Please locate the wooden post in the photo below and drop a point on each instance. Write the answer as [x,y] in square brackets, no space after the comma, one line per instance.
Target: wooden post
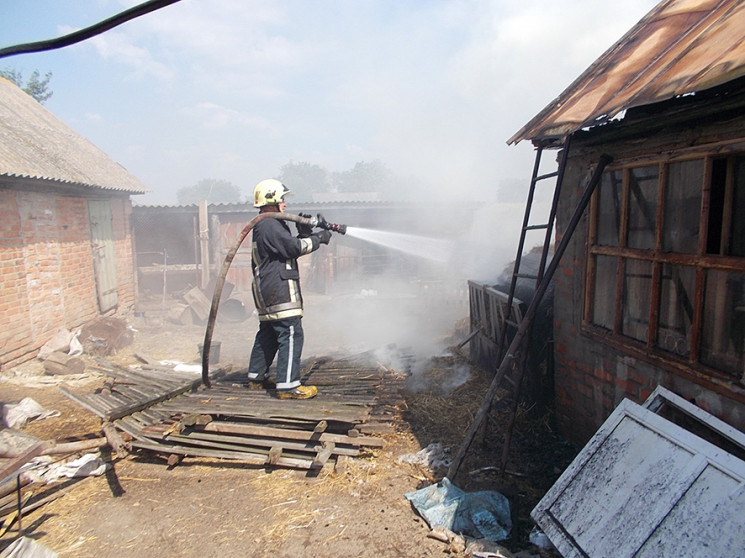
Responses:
[204,243]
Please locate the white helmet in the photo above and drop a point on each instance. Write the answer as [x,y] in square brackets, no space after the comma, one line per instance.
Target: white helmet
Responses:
[269,192]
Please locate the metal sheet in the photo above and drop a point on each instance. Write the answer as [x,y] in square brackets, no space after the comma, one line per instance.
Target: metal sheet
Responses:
[638,485]
[680,47]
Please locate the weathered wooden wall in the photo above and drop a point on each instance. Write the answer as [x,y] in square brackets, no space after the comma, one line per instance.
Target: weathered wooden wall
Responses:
[592,374]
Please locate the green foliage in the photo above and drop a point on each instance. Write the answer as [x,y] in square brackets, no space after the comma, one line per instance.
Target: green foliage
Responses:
[35,86]
[210,189]
[303,179]
[365,177]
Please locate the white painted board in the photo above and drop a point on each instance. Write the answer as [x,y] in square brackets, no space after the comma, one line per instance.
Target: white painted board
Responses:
[644,486]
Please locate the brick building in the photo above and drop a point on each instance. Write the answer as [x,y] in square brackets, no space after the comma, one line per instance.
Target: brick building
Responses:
[651,289]
[66,254]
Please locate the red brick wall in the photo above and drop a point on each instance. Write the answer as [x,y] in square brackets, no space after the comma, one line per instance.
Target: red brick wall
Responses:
[46,269]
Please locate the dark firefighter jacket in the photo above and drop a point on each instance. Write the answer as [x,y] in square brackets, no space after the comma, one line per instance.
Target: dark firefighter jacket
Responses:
[276,286]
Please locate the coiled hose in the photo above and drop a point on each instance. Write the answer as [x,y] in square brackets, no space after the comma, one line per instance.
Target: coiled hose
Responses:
[221,281]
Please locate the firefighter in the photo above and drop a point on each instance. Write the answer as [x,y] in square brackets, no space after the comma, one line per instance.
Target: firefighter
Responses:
[276,291]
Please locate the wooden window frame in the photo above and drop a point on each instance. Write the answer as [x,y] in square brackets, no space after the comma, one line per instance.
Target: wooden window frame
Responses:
[700,261]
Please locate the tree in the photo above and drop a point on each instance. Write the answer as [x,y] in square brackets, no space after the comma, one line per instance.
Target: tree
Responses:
[303,179]
[210,189]
[35,86]
[365,177]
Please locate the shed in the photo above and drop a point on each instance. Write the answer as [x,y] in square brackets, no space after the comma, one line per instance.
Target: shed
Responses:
[651,288]
[178,249]
[65,235]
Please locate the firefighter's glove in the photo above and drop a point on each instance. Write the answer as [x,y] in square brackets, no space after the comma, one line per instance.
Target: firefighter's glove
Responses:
[303,230]
[323,236]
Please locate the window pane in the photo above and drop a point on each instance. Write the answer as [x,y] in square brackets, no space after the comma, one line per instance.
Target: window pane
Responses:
[737,238]
[637,287]
[683,206]
[604,298]
[609,208]
[724,321]
[677,284]
[643,193]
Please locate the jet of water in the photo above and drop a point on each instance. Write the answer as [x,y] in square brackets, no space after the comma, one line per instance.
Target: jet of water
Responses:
[422,246]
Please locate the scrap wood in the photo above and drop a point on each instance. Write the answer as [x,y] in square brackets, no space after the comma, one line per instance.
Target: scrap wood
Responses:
[11,468]
[320,460]
[256,445]
[117,443]
[125,400]
[292,434]
[54,447]
[31,505]
[274,454]
[229,421]
[255,459]
[14,514]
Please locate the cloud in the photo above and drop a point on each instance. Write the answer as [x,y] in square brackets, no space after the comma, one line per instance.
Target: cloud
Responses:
[216,117]
[432,89]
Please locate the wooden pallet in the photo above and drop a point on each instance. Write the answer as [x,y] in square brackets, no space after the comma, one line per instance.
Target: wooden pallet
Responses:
[173,415]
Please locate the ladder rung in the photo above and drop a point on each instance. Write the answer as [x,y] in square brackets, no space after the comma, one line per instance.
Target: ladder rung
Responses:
[509,381]
[536,227]
[545,176]
[525,276]
[512,323]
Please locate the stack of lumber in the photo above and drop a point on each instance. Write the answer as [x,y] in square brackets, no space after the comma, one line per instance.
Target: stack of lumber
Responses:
[172,414]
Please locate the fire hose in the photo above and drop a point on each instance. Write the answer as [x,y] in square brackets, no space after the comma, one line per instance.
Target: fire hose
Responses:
[319,222]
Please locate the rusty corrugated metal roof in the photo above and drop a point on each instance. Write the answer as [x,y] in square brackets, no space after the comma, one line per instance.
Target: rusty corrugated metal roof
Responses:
[34,143]
[681,46]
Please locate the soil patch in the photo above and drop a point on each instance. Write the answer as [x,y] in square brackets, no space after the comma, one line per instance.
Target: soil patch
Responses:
[201,507]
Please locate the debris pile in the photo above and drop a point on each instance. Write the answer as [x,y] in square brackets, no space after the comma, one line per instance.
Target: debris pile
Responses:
[160,409]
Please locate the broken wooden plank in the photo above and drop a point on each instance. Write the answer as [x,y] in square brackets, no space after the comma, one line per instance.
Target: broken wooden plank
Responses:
[269,432]
[235,455]
[323,456]
[53,447]
[274,454]
[117,443]
[253,445]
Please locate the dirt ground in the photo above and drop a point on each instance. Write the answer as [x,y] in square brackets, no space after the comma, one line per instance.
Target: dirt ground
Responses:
[141,507]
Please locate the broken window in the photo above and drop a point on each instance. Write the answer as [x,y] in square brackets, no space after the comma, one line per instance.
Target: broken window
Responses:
[637,285]
[724,321]
[675,314]
[609,208]
[666,268]
[643,194]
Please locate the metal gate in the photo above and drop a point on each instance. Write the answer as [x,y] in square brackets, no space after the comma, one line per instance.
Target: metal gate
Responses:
[104,256]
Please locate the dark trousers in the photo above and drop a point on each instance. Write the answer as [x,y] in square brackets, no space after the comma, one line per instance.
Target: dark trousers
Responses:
[283,339]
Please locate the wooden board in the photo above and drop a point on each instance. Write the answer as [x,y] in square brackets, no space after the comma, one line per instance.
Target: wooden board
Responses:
[644,486]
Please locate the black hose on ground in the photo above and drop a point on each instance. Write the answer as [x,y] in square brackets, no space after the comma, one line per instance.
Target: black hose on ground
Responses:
[221,281]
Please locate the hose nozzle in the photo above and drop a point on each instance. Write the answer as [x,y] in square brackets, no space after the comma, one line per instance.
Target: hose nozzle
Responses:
[323,224]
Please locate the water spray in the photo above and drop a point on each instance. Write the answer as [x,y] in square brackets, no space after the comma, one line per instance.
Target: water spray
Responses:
[318,221]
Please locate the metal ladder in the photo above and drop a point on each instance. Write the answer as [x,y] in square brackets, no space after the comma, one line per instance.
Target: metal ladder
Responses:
[527,227]
[517,346]
[520,363]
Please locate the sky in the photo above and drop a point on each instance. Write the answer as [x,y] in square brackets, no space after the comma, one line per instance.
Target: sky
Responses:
[235,89]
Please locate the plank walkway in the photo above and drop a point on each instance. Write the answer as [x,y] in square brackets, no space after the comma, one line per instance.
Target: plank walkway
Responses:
[154,408]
